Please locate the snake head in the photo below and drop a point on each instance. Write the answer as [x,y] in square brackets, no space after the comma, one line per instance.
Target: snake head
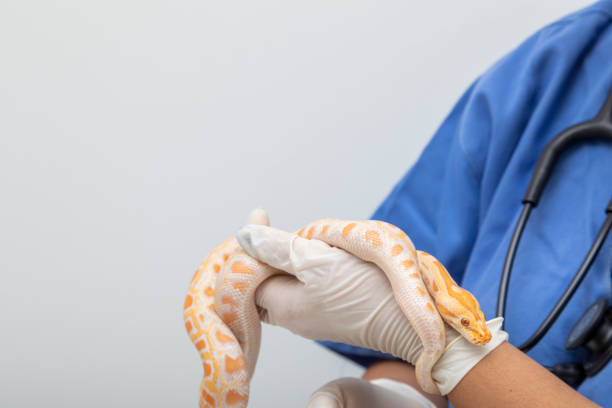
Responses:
[458,307]
[468,320]
[474,324]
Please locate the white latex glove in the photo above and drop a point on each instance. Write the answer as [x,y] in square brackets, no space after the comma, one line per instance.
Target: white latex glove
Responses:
[460,355]
[336,295]
[358,393]
[342,298]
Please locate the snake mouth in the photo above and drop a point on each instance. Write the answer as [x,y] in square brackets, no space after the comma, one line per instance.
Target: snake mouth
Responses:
[483,339]
[479,335]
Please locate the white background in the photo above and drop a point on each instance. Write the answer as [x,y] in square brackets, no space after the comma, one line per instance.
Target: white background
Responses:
[136,135]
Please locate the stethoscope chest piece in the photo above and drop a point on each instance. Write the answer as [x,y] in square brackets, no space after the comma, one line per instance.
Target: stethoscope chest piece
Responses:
[594,332]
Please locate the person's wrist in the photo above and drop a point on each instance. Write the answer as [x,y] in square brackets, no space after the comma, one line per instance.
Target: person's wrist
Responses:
[460,356]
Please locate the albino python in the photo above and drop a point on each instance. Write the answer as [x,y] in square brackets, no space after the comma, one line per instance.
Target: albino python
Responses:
[222,320]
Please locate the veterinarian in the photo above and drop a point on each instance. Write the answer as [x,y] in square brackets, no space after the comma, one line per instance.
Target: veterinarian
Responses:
[461,202]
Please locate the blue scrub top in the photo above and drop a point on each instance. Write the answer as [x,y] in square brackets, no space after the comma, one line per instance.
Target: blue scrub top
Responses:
[462,198]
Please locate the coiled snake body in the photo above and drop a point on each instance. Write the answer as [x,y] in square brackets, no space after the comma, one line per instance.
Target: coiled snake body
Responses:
[222,320]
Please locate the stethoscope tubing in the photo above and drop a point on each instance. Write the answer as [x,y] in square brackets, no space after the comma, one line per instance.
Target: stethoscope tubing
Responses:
[598,128]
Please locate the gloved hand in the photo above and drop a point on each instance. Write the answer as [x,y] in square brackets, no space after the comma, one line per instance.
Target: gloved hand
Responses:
[358,393]
[342,298]
[336,295]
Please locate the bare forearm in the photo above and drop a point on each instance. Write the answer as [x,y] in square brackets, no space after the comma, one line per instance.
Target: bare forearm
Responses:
[509,378]
[504,378]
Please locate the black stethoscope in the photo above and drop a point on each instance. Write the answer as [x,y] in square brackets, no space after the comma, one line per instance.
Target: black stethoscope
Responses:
[594,329]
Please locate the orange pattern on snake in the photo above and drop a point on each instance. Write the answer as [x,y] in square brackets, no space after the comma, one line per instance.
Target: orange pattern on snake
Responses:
[222,320]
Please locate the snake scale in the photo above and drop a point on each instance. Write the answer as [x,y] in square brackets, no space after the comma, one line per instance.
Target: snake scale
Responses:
[222,320]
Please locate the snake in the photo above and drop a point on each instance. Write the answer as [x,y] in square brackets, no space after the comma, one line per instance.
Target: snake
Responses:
[223,323]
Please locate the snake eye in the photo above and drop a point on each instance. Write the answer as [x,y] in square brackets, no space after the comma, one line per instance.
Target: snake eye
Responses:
[465,322]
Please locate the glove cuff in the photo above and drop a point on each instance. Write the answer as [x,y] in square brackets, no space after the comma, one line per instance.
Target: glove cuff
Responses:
[460,356]
[412,396]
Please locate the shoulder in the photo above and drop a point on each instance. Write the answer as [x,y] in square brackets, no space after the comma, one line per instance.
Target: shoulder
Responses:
[564,60]
[568,39]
